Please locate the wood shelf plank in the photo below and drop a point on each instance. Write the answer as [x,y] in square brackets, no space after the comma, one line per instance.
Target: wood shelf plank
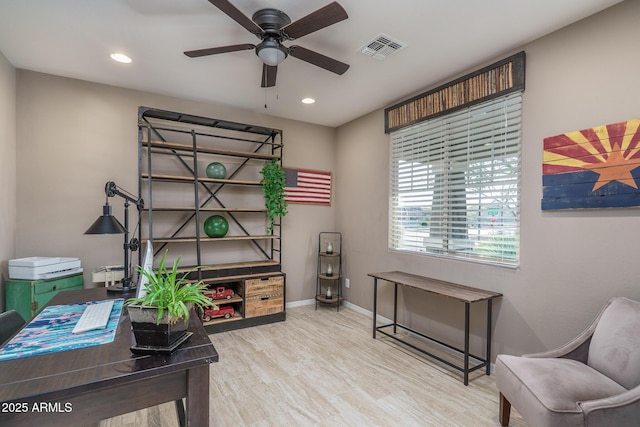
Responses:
[191,209]
[214,280]
[211,239]
[237,265]
[332,277]
[333,300]
[234,318]
[225,301]
[190,179]
[209,150]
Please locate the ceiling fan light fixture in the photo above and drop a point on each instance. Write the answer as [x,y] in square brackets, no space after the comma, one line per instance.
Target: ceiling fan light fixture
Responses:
[271,52]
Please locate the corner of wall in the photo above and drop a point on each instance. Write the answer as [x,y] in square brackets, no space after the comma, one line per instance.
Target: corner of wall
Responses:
[8,142]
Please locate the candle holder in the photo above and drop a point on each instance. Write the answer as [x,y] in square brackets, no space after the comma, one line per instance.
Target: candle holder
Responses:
[329,270]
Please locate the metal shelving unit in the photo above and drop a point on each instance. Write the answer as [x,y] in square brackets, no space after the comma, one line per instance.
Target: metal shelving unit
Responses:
[173,151]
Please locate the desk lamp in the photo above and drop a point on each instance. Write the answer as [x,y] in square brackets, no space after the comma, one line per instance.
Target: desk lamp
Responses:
[108,224]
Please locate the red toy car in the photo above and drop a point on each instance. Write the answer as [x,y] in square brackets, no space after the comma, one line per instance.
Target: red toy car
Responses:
[212,313]
[219,293]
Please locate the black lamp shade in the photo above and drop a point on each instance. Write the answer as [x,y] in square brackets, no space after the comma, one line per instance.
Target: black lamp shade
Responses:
[106,224]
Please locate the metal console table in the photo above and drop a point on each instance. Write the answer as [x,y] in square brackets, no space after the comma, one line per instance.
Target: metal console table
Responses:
[465,294]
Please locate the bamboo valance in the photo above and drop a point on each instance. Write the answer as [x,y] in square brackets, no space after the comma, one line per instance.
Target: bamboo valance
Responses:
[497,79]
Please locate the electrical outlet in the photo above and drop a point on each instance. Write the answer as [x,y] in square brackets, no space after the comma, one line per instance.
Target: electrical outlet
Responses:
[346,283]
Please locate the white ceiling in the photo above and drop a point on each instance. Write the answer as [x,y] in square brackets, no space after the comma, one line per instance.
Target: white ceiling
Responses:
[73,38]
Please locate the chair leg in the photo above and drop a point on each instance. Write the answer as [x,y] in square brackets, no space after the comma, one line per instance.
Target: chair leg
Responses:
[182,419]
[505,411]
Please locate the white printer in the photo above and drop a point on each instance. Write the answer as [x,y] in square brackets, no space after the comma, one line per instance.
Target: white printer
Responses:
[39,268]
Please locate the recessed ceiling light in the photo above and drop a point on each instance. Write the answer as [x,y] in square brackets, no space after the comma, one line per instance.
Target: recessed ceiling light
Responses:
[308,100]
[120,57]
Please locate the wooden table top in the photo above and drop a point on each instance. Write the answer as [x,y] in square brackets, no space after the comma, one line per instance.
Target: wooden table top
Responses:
[440,287]
[80,370]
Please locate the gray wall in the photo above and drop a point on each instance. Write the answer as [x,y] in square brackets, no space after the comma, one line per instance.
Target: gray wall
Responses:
[7,168]
[74,136]
[582,76]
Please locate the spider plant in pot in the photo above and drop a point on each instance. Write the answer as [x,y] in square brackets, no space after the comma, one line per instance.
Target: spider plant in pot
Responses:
[160,317]
[273,183]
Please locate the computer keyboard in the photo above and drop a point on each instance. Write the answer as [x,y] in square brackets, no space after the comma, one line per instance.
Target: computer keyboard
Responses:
[94,316]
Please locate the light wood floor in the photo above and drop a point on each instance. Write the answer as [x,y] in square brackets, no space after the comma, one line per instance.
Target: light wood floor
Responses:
[323,368]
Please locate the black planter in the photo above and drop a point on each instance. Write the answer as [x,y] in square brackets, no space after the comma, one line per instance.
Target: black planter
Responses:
[164,337]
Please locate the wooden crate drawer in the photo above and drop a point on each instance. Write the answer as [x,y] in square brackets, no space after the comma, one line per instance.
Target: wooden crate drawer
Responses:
[264,287]
[264,296]
[263,306]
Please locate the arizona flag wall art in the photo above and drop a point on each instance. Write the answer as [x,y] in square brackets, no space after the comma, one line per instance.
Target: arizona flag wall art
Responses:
[593,168]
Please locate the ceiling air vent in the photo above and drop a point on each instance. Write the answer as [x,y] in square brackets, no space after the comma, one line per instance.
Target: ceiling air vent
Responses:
[381,46]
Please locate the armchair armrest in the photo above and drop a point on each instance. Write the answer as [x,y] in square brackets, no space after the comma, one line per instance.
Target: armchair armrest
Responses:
[576,349]
[621,409]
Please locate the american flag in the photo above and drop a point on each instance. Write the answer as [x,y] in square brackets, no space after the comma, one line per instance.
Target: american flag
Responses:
[306,186]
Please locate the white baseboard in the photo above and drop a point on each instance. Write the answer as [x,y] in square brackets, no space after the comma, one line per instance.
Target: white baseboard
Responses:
[300,303]
[346,304]
[366,312]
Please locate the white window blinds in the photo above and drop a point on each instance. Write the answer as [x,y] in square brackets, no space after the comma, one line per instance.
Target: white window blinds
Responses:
[455,184]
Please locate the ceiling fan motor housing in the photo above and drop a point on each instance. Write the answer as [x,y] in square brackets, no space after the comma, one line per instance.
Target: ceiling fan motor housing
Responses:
[271,21]
[270,50]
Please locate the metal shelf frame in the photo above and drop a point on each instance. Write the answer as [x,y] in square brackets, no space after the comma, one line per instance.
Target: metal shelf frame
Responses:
[155,131]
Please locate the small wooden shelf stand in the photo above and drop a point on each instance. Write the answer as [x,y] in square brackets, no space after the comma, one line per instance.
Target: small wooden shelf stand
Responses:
[328,259]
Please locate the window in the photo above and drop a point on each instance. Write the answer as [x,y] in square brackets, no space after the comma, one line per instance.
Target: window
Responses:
[455,184]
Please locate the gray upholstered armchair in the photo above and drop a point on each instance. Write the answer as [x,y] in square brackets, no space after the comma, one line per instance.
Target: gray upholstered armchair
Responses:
[593,380]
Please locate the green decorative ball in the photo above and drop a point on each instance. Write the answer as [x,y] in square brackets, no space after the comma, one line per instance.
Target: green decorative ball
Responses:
[216,170]
[216,226]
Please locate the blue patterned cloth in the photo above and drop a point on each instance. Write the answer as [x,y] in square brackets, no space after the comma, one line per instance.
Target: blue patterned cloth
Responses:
[51,331]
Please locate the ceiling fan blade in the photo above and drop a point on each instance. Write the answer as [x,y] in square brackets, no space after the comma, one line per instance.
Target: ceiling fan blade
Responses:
[323,17]
[268,75]
[318,59]
[235,14]
[217,50]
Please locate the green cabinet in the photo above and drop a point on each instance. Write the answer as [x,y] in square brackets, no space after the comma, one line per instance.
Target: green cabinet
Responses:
[28,297]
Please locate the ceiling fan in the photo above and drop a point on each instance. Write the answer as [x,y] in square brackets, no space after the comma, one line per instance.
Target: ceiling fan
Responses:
[273,26]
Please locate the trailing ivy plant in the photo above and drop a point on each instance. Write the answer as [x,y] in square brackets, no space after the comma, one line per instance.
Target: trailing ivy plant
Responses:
[273,183]
[168,291]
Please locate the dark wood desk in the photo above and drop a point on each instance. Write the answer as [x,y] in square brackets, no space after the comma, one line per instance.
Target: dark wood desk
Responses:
[465,294]
[84,386]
